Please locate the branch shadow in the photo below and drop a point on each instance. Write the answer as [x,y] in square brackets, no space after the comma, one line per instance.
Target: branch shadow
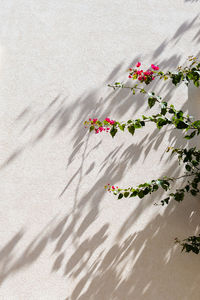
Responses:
[136,265]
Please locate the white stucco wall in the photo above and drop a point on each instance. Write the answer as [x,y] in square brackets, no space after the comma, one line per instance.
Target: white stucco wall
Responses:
[61,236]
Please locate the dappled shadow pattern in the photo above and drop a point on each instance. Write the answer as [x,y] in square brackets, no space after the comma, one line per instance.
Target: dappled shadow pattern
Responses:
[137,265]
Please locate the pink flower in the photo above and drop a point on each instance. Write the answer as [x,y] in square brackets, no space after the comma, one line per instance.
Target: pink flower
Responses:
[153,78]
[108,129]
[112,122]
[90,119]
[101,129]
[129,76]
[140,78]
[144,78]
[107,120]
[94,120]
[97,131]
[155,67]
[113,187]
[130,69]
[138,64]
[147,73]
[139,72]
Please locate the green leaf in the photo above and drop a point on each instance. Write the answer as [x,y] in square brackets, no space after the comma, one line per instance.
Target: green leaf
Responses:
[166,200]
[131,129]
[195,250]
[188,168]
[126,194]
[176,78]
[141,194]
[195,163]
[121,127]
[155,187]
[134,193]
[196,123]
[188,137]
[137,124]
[179,196]
[151,101]
[187,188]
[193,192]
[113,131]
[161,122]
[179,114]
[172,111]
[91,128]
[165,185]
[120,196]
[142,123]
[188,248]
[163,111]
[181,125]
[146,191]
[194,185]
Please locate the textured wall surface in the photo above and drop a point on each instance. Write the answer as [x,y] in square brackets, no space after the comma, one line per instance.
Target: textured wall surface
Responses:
[61,236]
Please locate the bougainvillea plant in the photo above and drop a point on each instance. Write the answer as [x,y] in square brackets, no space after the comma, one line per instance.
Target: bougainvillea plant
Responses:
[167,115]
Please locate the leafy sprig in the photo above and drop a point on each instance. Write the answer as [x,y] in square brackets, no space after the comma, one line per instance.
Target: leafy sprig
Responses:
[167,115]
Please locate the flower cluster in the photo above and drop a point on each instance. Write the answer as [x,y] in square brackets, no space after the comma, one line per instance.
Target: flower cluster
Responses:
[111,188]
[99,126]
[143,76]
[111,122]
[155,68]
